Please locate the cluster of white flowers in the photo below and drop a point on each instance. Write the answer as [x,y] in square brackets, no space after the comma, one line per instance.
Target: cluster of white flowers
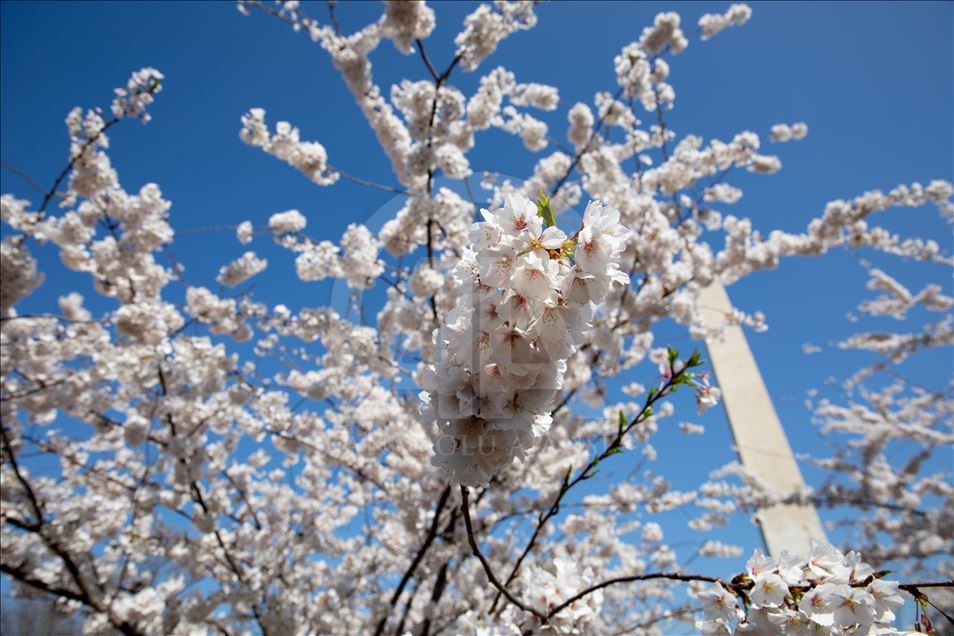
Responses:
[359,260]
[716,548]
[485,28]
[652,532]
[19,273]
[219,313]
[408,229]
[356,260]
[406,21]
[707,396]
[547,587]
[138,94]
[241,269]
[664,34]
[540,96]
[784,132]
[244,232]
[713,23]
[147,322]
[531,130]
[641,76]
[285,222]
[309,157]
[581,123]
[317,261]
[526,297]
[827,593]
[485,108]
[435,127]
[93,172]
[843,223]
[634,75]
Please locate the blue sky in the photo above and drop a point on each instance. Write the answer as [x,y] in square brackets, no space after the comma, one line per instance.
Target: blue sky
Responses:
[872,81]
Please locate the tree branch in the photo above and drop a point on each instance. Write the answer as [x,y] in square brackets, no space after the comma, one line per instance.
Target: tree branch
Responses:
[428,540]
[472,540]
[587,472]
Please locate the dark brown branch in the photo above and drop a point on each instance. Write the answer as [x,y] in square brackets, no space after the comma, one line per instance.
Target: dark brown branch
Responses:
[20,574]
[438,82]
[41,386]
[59,178]
[84,595]
[439,585]
[472,540]
[333,17]
[245,500]
[427,61]
[438,79]
[912,588]
[732,586]
[672,576]
[399,630]
[425,546]
[428,540]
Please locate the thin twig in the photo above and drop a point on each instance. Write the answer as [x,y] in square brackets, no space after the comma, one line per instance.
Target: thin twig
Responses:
[90,141]
[334,18]
[364,182]
[33,182]
[672,576]
[587,472]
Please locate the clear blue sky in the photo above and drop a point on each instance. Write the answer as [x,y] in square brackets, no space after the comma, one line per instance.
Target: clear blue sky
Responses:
[873,82]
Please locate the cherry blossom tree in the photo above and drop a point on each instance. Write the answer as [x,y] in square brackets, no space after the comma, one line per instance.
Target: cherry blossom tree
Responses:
[195,461]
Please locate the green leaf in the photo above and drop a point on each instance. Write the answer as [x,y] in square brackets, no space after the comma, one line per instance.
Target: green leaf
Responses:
[672,354]
[615,451]
[695,360]
[544,211]
[622,420]
[648,411]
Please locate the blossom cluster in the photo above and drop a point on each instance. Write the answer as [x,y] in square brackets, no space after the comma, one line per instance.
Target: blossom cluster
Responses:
[545,588]
[713,23]
[241,269]
[139,92]
[828,592]
[526,296]
[310,157]
[784,132]
[488,25]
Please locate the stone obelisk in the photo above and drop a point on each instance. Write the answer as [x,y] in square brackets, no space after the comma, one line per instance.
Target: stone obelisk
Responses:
[759,438]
